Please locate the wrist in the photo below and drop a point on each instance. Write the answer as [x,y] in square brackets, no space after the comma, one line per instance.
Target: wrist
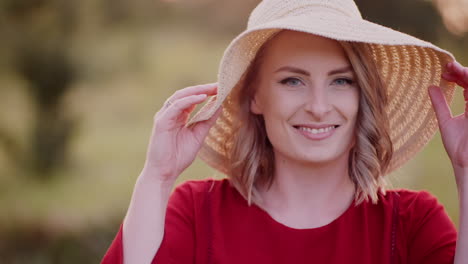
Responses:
[157,177]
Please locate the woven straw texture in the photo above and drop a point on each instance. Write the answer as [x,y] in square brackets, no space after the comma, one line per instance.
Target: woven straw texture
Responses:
[407,66]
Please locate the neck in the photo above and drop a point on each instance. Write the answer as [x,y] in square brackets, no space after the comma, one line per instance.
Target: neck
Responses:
[312,189]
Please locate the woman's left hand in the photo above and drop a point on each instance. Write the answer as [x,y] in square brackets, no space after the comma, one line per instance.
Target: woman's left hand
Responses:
[454,130]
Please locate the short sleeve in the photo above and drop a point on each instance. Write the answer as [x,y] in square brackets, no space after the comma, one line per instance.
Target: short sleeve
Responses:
[431,233]
[178,242]
[114,254]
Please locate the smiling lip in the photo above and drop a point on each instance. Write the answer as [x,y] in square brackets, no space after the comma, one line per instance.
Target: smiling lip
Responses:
[316,132]
[316,126]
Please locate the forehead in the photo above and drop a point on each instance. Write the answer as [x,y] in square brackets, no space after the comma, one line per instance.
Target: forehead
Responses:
[299,47]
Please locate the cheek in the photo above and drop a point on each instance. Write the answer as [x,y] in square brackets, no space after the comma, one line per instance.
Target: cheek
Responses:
[348,103]
[350,106]
[278,103]
[278,108]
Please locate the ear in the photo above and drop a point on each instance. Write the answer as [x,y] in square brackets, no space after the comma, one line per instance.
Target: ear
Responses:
[255,106]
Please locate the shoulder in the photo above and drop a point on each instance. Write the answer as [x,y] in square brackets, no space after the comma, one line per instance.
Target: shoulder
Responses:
[402,204]
[414,208]
[411,196]
[204,199]
[425,231]
[197,190]
[414,202]
[202,186]
[189,196]
[420,211]
[408,201]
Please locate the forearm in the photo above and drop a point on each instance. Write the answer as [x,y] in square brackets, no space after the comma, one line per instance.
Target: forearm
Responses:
[461,254]
[143,227]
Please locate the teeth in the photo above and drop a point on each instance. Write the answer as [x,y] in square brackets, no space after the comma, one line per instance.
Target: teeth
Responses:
[317,131]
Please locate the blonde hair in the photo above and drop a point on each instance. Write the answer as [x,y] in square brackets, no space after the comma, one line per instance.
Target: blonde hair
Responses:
[370,156]
[250,160]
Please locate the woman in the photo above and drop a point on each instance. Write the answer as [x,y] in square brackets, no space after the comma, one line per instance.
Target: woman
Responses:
[308,128]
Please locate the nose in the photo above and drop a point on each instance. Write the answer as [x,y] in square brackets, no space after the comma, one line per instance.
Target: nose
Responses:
[317,103]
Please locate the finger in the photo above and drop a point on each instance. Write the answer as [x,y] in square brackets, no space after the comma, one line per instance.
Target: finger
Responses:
[449,67]
[183,105]
[449,76]
[440,105]
[453,66]
[452,77]
[465,95]
[190,109]
[459,69]
[455,72]
[201,128]
[208,89]
[466,109]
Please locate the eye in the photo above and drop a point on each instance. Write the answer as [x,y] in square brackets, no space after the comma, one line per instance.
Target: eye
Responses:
[291,81]
[343,81]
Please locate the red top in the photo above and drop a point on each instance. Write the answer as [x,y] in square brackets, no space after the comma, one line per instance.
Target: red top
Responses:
[209,222]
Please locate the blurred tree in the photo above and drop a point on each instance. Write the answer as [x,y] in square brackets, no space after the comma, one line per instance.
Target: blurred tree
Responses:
[38,39]
[37,34]
[410,16]
[454,14]
[421,18]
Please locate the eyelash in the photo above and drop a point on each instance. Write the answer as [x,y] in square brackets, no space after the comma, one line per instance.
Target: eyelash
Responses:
[285,81]
[347,80]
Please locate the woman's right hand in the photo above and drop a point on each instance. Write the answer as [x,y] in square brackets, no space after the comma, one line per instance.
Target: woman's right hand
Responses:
[173,146]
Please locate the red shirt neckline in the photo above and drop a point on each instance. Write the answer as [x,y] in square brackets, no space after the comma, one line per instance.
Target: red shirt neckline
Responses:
[272,221]
[329,225]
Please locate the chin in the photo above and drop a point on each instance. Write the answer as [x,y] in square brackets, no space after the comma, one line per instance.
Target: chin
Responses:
[320,160]
[321,157]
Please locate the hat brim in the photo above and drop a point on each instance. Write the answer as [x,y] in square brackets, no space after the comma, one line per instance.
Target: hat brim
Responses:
[408,66]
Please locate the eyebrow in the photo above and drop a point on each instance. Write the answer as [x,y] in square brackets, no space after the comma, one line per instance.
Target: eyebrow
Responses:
[345,69]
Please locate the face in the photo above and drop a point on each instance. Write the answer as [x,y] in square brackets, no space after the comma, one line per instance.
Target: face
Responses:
[309,98]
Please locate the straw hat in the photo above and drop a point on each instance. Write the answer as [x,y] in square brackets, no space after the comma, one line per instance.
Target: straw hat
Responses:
[407,65]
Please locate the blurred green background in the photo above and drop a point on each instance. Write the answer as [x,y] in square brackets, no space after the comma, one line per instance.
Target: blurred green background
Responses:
[80,82]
